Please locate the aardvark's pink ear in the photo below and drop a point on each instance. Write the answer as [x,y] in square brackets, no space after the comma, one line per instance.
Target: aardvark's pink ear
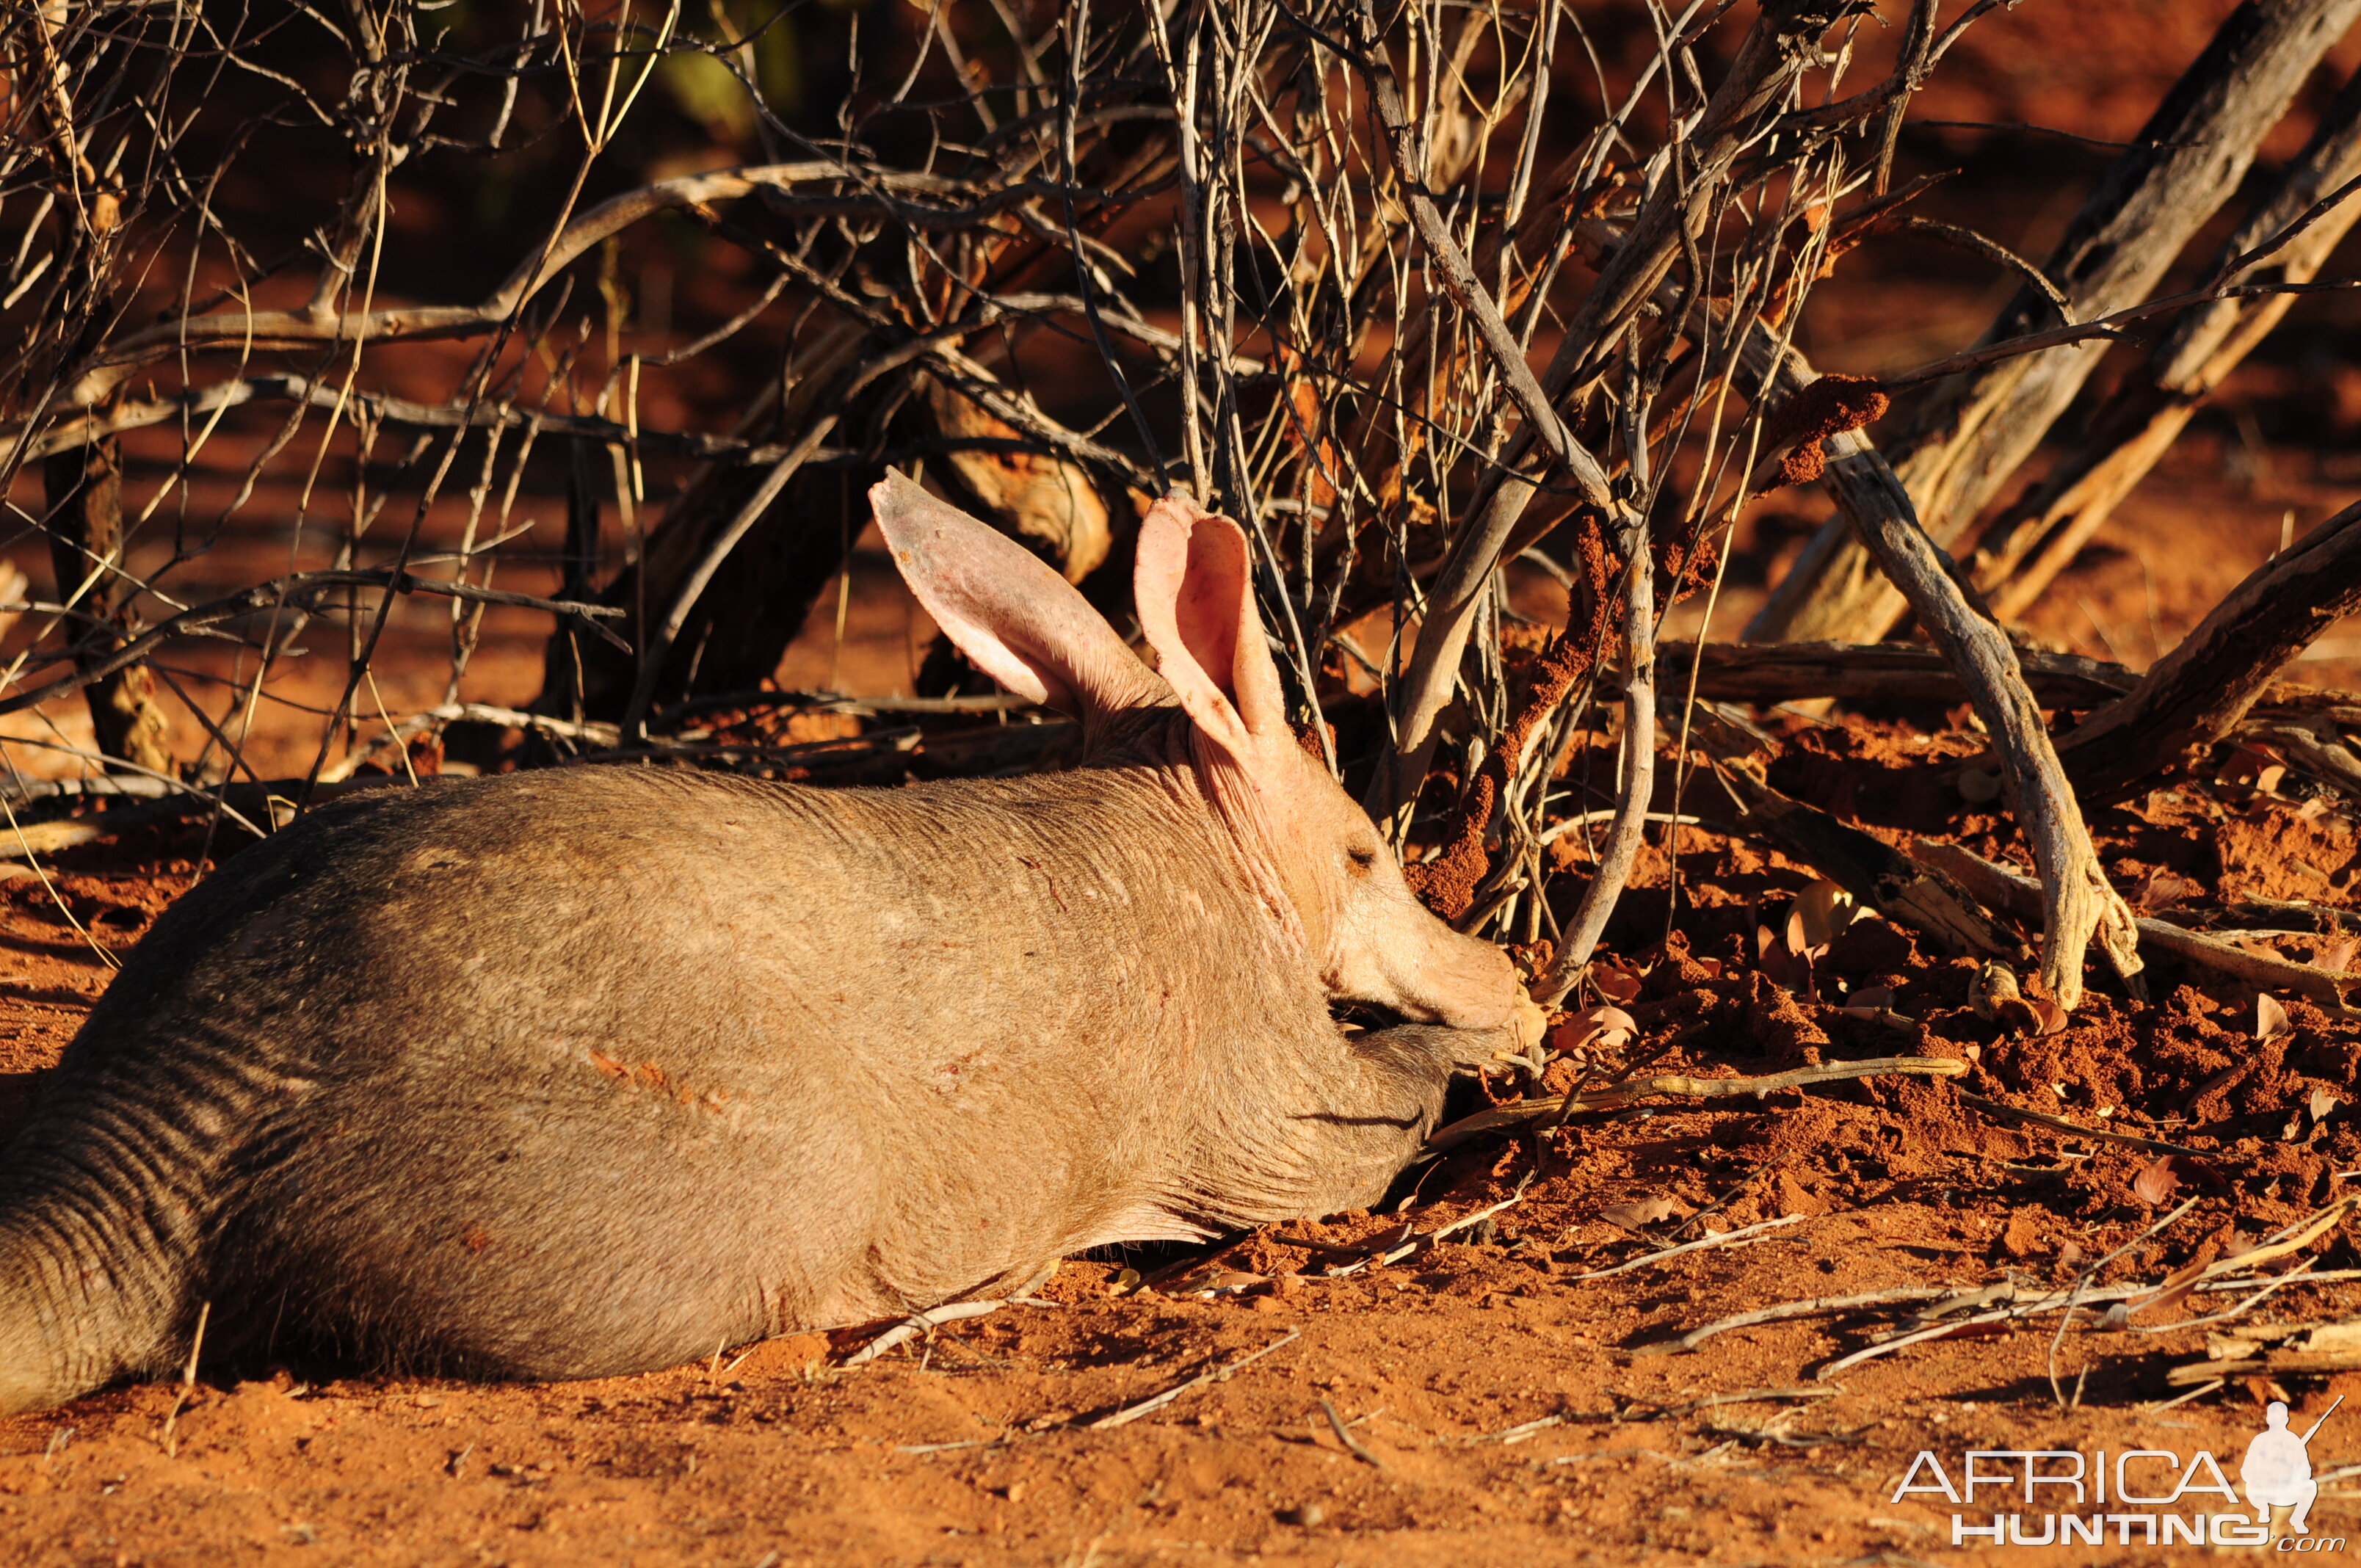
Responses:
[1194,589]
[1023,624]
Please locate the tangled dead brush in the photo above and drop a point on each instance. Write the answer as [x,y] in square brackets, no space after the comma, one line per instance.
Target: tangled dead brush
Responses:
[628,303]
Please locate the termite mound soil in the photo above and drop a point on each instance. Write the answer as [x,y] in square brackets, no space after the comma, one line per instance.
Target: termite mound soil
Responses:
[1504,1398]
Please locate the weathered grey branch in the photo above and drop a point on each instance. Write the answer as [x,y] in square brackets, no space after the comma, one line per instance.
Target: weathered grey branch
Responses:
[2195,694]
[1634,787]
[2000,888]
[2040,535]
[1977,430]
[2078,900]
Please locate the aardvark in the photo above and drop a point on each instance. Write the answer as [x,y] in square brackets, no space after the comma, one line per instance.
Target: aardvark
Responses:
[581,1071]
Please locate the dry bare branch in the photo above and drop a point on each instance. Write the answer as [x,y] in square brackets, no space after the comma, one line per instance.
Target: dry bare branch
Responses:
[1975,431]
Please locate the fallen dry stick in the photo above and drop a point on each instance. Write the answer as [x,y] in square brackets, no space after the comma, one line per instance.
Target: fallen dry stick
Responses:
[1150,1406]
[1345,1435]
[1415,1240]
[2310,1364]
[1516,1434]
[1920,1336]
[2301,1274]
[1768,672]
[1827,1072]
[2293,1239]
[2306,751]
[1617,1095]
[2303,1348]
[2197,1275]
[2128,1140]
[1787,1394]
[917,1323]
[2074,1295]
[1830,1305]
[2000,888]
[2200,691]
[2301,720]
[1727,1238]
[1820,1307]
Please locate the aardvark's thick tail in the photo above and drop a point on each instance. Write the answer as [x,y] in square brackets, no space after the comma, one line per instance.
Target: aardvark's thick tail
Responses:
[89,1291]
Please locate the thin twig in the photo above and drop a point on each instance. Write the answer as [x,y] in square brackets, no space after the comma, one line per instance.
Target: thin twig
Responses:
[170,1438]
[1150,1406]
[2127,1140]
[1818,1307]
[1727,1238]
[1352,1445]
[1680,1085]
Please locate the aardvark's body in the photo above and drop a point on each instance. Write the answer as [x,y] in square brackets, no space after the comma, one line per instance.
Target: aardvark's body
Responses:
[584,1071]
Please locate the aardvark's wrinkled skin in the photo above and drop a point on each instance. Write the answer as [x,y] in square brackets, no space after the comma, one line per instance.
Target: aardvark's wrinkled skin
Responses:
[580,1072]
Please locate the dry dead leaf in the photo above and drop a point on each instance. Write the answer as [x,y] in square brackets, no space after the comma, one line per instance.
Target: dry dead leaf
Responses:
[1712,967]
[1783,963]
[2049,1016]
[1608,1027]
[2322,1103]
[2337,957]
[1869,1004]
[1648,1211]
[2270,1019]
[1614,982]
[2155,1182]
[2247,764]
[2161,888]
[2172,1294]
[1822,910]
[1980,786]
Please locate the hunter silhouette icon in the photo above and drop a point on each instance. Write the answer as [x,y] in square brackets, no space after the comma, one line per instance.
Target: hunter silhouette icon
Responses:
[2277,1471]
